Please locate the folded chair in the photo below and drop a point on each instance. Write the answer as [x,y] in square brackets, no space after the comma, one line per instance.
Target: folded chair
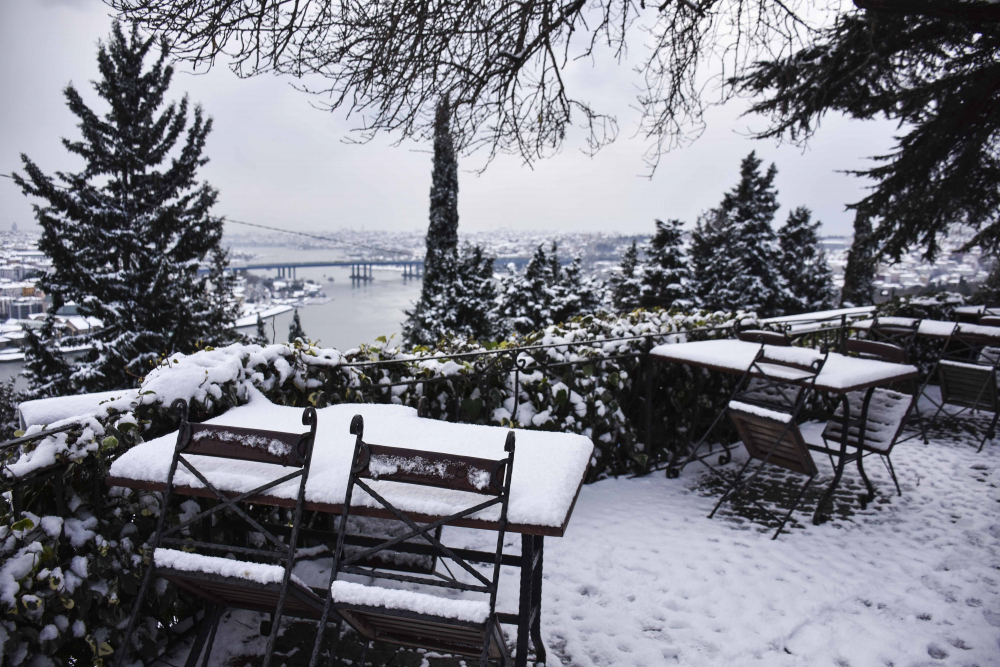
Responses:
[879,420]
[769,398]
[379,607]
[226,574]
[967,373]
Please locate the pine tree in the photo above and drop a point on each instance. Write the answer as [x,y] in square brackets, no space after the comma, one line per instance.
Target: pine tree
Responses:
[625,287]
[746,267]
[462,307]
[666,276]
[708,236]
[45,368]
[803,264]
[457,293]
[862,264]
[295,329]
[525,301]
[126,235]
[575,294]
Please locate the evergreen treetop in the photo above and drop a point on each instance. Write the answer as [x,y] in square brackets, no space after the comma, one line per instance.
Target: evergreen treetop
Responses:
[745,269]
[625,286]
[295,331]
[862,264]
[127,233]
[666,275]
[807,274]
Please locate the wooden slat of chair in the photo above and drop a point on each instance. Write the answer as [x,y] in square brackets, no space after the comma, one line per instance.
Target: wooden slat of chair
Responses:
[760,437]
[764,337]
[419,631]
[300,601]
[968,386]
[245,444]
[877,350]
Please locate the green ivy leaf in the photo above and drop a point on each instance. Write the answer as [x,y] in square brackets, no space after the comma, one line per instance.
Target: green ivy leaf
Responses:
[109,442]
[23,525]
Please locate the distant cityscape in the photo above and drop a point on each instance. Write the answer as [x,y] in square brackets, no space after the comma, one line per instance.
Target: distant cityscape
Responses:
[23,304]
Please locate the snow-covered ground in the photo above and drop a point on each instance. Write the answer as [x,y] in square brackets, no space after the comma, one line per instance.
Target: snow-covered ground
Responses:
[643,577]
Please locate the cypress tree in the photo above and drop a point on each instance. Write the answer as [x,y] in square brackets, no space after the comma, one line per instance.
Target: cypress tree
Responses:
[862,264]
[126,235]
[666,276]
[625,286]
[260,337]
[295,329]
[803,264]
[457,293]
[746,267]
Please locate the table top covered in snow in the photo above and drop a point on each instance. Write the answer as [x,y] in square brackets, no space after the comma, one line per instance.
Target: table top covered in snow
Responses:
[840,374]
[933,328]
[548,467]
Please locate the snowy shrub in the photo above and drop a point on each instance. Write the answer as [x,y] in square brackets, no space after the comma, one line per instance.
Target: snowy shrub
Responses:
[70,569]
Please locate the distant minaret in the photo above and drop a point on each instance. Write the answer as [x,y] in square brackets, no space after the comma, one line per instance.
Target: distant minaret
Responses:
[13,226]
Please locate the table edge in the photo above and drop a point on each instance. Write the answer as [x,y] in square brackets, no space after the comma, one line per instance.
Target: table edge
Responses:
[199,492]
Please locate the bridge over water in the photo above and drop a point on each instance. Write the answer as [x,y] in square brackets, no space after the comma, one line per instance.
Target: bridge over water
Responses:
[361,270]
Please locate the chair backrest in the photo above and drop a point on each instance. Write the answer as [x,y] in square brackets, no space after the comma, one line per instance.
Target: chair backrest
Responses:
[969,385]
[779,378]
[773,437]
[488,479]
[888,411]
[870,349]
[277,448]
[764,337]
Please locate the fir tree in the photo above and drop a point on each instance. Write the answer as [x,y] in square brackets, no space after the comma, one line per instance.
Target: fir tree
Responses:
[803,264]
[525,301]
[45,368]
[575,294]
[463,306]
[708,236]
[625,286]
[862,264]
[746,267]
[126,235]
[666,276]
[9,400]
[457,293]
[295,329]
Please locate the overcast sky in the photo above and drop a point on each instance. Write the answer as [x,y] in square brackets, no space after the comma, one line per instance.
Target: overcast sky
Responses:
[279,161]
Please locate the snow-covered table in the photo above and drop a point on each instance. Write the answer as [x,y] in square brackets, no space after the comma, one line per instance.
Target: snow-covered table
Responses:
[840,375]
[549,469]
[934,328]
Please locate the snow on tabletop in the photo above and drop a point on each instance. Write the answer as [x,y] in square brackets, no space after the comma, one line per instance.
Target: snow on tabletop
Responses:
[548,467]
[45,411]
[347,592]
[261,573]
[782,417]
[839,372]
[934,328]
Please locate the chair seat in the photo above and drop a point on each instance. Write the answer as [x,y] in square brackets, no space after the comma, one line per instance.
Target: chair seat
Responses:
[426,604]
[886,412]
[236,583]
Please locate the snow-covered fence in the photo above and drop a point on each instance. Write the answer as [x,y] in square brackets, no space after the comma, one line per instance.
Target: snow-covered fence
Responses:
[69,573]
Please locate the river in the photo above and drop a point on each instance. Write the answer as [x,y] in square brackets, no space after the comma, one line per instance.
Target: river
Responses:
[353,315]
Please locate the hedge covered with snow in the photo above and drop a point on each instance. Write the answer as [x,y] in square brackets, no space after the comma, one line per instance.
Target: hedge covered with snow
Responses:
[67,577]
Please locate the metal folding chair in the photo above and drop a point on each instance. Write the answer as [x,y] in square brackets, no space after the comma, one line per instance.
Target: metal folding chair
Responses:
[257,578]
[967,373]
[377,610]
[897,331]
[764,410]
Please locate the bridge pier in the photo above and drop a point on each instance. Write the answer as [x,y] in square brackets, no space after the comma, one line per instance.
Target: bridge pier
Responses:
[361,272]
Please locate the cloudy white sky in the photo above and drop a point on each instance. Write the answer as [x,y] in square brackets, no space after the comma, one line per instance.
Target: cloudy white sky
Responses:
[279,161]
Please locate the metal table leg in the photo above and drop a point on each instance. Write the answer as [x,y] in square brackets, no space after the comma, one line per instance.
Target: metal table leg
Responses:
[530,605]
[818,516]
